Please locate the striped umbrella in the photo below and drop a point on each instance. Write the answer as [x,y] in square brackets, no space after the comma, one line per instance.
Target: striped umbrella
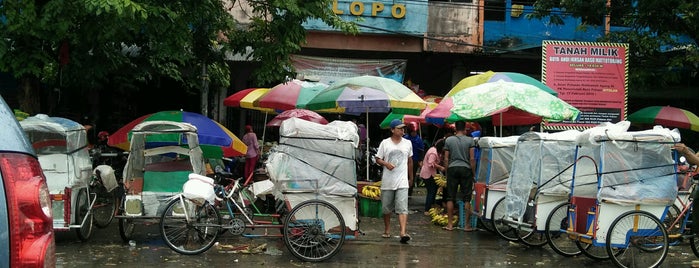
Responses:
[215,139]
[666,116]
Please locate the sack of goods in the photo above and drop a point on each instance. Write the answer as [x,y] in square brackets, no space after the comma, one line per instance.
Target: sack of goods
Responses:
[199,188]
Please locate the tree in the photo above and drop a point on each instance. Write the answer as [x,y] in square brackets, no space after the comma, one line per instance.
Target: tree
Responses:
[662,34]
[90,44]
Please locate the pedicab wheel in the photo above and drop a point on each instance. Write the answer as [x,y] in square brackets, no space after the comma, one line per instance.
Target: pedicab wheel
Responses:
[641,237]
[104,209]
[82,209]
[528,233]
[556,224]
[314,231]
[593,252]
[503,229]
[486,224]
[126,229]
[189,228]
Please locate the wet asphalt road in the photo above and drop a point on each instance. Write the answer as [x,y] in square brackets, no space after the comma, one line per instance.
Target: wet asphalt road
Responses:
[430,247]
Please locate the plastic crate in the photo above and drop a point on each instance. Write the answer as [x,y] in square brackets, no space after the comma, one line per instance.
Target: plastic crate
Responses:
[370,208]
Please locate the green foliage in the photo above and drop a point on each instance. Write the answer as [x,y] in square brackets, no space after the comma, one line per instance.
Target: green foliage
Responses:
[134,41]
[657,59]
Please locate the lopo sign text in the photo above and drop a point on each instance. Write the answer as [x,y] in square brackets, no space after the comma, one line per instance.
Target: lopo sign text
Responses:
[357,8]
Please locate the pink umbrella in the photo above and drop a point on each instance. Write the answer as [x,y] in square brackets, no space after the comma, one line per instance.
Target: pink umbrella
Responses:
[298,113]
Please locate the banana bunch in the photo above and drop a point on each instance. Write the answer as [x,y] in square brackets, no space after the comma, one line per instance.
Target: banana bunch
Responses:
[440,180]
[371,191]
[438,218]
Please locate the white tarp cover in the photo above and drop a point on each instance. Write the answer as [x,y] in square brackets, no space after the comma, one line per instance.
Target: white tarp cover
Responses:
[542,161]
[61,145]
[311,153]
[636,167]
[316,158]
[495,159]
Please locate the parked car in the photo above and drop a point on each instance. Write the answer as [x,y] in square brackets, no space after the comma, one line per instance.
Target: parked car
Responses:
[27,238]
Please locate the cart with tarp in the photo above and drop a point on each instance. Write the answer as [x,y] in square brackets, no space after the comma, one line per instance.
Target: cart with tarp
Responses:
[635,179]
[316,163]
[492,171]
[162,155]
[62,148]
[541,173]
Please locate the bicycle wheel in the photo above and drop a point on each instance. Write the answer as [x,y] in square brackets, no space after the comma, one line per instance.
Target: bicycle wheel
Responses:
[126,229]
[528,233]
[104,209]
[694,243]
[314,231]
[642,237]
[673,228]
[559,241]
[81,209]
[188,228]
[503,229]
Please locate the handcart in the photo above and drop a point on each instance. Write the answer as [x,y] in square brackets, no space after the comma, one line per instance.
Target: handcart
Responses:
[312,171]
[636,183]
[162,155]
[61,145]
[541,175]
[492,171]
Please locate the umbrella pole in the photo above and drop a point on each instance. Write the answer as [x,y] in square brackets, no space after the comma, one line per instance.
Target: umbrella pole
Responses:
[264,129]
[368,164]
[500,124]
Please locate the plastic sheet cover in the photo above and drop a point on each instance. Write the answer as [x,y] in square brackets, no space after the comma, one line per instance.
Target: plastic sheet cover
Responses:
[61,146]
[542,162]
[315,157]
[636,167]
[495,159]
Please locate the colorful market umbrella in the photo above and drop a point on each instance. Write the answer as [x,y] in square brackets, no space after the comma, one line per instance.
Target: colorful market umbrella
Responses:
[666,116]
[432,101]
[368,94]
[513,117]
[291,95]
[488,99]
[298,113]
[246,99]
[215,139]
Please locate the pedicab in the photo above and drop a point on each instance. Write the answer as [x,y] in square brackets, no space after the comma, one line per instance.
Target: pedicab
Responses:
[635,184]
[312,174]
[492,171]
[62,148]
[539,181]
[162,155]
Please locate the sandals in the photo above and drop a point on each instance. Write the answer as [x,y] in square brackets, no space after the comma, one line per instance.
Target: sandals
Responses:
[386,235]
[405,238]
[447,228]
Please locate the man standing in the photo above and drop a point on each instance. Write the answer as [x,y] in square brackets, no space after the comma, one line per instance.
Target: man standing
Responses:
[457,158]
[418,151]
[394,154]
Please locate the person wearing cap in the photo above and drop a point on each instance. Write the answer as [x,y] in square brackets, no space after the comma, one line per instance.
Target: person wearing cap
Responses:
[395,156]
[253,153]
[458,154]
[418,151]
